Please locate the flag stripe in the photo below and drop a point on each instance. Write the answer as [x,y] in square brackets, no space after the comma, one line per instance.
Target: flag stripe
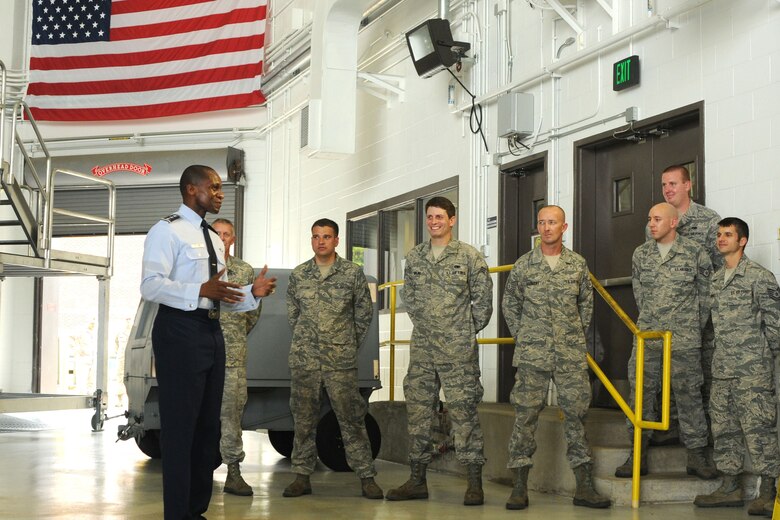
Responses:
[220,61]
[194,56]
[163,42]
[151,111]
[143,6]
[183,26]
[144,84]
[185,52]
[185,93]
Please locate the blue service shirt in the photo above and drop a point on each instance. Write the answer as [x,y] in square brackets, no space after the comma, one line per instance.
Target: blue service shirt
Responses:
[176,264]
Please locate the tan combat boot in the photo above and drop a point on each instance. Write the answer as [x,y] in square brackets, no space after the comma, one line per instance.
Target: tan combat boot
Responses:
[729,494]
[235,483]
[370,489]
[415,487]
[699,464]
[627,469]
[766,497]
[474,494]
[300,486]
[519,497]
[585,494]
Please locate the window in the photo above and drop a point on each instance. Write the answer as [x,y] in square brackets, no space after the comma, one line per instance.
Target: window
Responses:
[622,196]
[380,236]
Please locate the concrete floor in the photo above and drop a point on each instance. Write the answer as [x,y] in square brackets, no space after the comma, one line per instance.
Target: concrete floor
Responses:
[60,469]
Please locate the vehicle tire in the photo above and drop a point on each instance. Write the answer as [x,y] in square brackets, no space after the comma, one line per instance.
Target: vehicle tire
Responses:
[282,441]
[330,445]
[150,443]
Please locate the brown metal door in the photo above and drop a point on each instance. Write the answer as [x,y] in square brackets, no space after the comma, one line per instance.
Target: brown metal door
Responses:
[619,180]
[523,190]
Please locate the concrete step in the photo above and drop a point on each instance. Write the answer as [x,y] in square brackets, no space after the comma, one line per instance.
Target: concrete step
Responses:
[666,487]
[609,440]
[667,459]
[656,488]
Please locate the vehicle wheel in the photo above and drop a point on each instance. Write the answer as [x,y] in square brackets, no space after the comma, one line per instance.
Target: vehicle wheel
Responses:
[330,446]
[97,422]
[282,441]
[150,443]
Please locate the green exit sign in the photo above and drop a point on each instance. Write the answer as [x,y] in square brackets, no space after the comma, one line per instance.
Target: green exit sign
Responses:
[625,73]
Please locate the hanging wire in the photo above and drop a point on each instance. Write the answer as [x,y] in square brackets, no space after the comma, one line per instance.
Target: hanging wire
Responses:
[475,116]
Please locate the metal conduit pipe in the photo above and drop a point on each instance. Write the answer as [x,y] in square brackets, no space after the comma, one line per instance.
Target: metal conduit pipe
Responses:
[444,9]
[588,52]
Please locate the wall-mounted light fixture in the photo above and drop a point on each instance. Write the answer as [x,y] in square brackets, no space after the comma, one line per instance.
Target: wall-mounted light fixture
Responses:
[432,47]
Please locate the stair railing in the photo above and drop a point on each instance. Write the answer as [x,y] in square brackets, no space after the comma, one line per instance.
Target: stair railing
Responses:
[634,416]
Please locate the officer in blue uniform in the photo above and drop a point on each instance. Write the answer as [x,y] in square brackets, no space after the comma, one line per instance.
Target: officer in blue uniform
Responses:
[184,272]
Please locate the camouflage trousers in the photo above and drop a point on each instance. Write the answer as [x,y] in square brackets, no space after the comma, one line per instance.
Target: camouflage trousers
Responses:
[707,350]
[350,409]
[744,415]
[686,386]
[462,391]
[528,398]
[231,445]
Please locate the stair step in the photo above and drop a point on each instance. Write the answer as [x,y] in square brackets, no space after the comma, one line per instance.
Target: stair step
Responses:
[9,222]
[664,488]
[14,242]
[667,458]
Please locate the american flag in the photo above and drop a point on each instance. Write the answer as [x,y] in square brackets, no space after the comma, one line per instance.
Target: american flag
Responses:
[99,60]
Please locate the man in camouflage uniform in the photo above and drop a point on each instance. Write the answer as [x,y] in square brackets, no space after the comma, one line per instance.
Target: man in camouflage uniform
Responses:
[449,297]
[548,305]
[700,224]
[746,316]
[330,309]
[671,280]
[235,327]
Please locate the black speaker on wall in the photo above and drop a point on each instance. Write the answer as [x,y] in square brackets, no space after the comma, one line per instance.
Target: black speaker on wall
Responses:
[235,164]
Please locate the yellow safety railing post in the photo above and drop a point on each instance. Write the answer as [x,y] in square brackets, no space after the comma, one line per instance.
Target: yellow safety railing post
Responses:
[638,395]
[634,416]
[392,342]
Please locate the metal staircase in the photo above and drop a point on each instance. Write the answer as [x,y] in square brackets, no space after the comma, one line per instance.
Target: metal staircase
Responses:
[28,221]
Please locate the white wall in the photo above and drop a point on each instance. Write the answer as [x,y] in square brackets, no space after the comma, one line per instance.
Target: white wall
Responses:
[725,53]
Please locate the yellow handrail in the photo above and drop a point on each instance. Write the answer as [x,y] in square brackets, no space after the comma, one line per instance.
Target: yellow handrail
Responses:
[635,416]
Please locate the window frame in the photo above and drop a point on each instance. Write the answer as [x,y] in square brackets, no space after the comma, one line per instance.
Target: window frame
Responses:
[416,197]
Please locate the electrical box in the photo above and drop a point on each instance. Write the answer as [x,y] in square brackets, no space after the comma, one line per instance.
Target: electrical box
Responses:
[515,114]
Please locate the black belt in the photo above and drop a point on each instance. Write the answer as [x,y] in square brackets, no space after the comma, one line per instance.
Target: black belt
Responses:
[212,314]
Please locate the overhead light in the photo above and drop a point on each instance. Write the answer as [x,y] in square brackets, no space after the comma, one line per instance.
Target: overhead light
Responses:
[432,47]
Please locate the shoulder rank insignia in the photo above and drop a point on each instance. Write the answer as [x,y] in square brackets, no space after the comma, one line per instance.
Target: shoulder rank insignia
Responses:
[774,293]
[171,218]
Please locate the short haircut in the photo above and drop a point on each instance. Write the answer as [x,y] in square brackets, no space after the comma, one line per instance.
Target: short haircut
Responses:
[326,222]
[441,203]
[686,175]
[224,221]
[563,213]
[194,174]
[743,231]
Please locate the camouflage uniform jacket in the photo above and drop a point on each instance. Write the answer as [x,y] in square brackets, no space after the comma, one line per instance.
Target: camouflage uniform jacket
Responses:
[548,311]
[237,325]
[746,316]
[700,224]
[329,317]
[673,294]
[449,299]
